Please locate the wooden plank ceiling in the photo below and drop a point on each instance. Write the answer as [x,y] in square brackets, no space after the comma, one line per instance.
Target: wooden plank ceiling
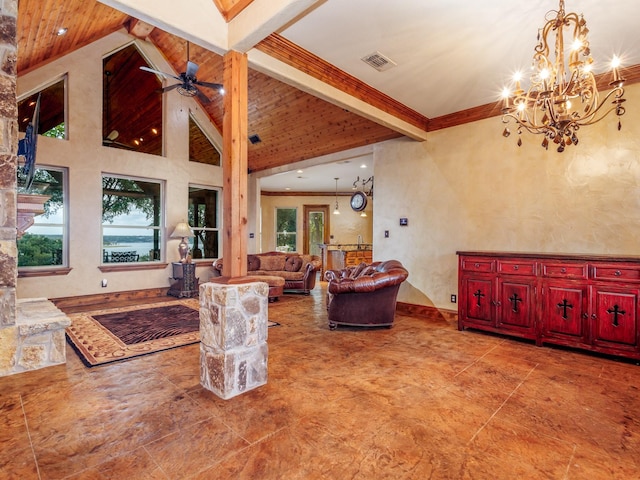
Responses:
[292,125]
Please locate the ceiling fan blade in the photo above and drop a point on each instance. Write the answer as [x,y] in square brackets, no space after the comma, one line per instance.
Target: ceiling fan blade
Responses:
[203,98]
[217,86]
[192,69]
[158,72]
[171,87]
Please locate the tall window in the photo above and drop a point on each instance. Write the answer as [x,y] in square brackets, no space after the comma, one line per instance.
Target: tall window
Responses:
[132,103]
[201,148]
[52,110]
[44,243]
[286,229]
[204,219]
[131,219]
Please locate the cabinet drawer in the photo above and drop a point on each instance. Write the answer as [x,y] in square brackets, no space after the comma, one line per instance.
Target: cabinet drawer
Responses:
[515,267]
[564,270]
[627,273]
[477,265]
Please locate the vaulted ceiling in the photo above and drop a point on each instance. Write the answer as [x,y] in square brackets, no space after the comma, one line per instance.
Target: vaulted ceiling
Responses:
[452,58]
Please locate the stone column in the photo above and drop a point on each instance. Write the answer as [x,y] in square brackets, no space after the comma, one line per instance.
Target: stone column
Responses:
[233,337]
[8,165]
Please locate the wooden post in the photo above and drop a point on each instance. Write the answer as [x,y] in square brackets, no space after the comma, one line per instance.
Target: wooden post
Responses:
[234,164]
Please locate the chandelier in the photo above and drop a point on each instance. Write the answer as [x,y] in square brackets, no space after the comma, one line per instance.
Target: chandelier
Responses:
[562,95]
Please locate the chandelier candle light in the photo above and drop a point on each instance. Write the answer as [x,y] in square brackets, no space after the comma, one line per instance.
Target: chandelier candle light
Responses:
[562,96]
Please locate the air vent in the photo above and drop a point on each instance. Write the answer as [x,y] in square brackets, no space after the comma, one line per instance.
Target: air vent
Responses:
[378,61]
[254,139]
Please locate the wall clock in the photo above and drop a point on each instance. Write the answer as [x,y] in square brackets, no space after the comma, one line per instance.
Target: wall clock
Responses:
[358,201]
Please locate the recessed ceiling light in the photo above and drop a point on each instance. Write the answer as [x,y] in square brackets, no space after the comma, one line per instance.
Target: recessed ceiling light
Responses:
[61,31]
[299,171]
[363,166]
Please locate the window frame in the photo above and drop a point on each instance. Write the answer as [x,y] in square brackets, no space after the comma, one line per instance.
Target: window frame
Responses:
[217,228]
[160,228]
[278,233]
[57,269]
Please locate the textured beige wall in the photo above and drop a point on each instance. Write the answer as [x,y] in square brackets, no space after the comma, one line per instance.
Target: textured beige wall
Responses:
[345,227]
[87,159]
[468,188]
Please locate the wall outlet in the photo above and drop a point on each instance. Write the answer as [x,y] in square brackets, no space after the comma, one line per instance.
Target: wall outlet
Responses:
[454,298]
[104,282]
[386,234]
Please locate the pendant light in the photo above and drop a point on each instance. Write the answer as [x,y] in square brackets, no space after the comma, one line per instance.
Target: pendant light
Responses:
[335,210]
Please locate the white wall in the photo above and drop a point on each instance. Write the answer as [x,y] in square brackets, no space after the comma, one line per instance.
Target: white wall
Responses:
[87,159]
[468,188]
[345,227]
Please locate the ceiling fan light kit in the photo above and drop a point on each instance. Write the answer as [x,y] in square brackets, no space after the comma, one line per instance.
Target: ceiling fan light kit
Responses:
[189,82]
[562,95]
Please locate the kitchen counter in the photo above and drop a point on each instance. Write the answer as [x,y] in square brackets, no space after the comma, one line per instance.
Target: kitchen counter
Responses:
[336,256]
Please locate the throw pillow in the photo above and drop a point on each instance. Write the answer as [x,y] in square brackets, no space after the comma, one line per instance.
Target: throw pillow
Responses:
[272,263]
[293,264]
[253,263]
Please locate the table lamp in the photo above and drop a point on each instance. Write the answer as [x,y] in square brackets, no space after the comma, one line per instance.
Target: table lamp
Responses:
[183,230]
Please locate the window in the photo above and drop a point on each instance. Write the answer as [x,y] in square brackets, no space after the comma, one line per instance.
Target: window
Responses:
[286,228]
[201,148]
[132,103]
[131,219]
[52,110]
[204,219]
[44,243]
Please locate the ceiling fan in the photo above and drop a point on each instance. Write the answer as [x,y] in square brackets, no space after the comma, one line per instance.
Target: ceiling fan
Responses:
[111,141]
[189,83]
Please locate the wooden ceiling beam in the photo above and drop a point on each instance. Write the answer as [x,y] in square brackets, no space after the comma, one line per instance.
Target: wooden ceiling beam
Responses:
[261,19]
[288,52]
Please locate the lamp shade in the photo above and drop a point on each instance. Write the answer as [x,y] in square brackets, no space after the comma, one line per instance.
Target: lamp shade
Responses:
[182,230]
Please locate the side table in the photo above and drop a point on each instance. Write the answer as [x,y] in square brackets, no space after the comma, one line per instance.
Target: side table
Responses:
[185,282]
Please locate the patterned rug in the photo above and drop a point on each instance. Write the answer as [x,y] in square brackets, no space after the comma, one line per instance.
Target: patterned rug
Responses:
[110,335]
[106,336]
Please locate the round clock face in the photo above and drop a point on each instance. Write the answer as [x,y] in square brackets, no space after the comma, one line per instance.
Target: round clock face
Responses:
[358,201]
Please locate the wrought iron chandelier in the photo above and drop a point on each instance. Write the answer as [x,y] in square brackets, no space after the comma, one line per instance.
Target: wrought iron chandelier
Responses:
[562,95]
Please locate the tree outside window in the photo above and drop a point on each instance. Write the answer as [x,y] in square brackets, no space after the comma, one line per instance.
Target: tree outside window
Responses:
[131,219]
[286,229]
[204,219]
[44,242]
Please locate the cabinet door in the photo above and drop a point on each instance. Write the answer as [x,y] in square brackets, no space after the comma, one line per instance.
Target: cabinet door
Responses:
[515,307]
[615,316]
[564,310]
[478,293]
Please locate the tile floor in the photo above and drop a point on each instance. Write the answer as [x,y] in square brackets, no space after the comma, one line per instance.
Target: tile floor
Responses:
[420,400]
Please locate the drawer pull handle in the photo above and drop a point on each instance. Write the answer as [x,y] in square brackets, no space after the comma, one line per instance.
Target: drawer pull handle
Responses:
[617,273]
[563,270]
[477,265]
[515,267]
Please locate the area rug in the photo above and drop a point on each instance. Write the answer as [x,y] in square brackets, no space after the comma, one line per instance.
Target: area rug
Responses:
[110,335]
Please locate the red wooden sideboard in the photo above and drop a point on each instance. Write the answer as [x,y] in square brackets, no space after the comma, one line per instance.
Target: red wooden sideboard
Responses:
[590,302]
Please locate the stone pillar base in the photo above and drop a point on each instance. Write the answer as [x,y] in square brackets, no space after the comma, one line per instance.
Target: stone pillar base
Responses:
[233,337]
[37,339]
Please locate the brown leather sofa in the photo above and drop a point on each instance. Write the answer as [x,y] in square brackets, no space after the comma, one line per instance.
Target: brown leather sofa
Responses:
[298,270]
[364,295]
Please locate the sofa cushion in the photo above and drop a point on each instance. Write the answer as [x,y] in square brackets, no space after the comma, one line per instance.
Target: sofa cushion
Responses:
[293,264]
[253,263]
[272,262]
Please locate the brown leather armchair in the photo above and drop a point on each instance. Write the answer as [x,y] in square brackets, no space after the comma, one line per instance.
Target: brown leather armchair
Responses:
[364,295]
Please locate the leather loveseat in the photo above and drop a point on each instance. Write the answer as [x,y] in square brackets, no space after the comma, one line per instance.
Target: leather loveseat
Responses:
[299,271]
[364,295]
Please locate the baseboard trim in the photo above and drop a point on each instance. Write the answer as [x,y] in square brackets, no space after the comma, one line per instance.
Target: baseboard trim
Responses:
[426,311]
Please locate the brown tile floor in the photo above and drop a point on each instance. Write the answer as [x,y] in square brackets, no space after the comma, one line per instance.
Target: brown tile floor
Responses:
[420,400]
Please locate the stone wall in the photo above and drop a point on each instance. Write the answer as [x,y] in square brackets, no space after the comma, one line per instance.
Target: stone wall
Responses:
[8,163]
